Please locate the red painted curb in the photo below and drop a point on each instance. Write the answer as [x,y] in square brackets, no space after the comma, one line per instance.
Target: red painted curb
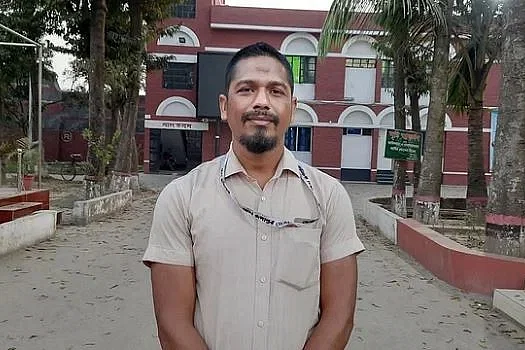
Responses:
[461,267]
[499,219]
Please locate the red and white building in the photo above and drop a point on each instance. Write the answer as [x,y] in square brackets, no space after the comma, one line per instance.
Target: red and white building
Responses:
[345,99]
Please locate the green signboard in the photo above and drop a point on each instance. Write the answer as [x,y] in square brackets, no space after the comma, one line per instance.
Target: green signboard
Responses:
[403,145]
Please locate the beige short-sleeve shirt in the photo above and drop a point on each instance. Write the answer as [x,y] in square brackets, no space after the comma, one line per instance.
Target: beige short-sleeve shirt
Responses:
[257,285]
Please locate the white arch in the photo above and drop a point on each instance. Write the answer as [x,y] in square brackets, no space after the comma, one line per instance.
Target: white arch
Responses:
[385,113]
[358,108]
[355,39]
[286,46]
[174,40]
[182,107]
[309,111]
[423,115]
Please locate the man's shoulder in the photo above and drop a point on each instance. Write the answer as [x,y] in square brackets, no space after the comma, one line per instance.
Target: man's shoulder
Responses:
[318,176]
[203,172]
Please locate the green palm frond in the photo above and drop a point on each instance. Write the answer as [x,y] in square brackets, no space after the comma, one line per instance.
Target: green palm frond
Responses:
[478,39]
[359,14]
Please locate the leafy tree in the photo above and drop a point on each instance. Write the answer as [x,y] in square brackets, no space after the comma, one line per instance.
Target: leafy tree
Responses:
[19,65]
[96,78]
[129,25]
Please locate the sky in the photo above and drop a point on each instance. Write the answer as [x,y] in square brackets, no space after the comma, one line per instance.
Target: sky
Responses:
[61,61]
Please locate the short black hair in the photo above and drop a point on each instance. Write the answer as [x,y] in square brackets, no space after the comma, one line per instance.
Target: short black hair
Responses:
[257,50]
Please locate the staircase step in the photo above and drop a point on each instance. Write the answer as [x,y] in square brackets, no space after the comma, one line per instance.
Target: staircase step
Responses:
[17,210]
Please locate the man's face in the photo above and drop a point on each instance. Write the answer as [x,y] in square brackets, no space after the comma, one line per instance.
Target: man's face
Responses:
[259,105]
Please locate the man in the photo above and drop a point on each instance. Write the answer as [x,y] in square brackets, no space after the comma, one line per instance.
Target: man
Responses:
[254,250]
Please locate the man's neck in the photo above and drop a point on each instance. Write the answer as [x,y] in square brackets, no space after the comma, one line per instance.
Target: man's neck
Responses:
[259,166]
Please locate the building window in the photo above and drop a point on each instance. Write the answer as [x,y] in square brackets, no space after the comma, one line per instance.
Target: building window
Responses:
[387,74]
[298,139]
[178,76]
[184,9]
[357,131]
[303,68]
[361,63]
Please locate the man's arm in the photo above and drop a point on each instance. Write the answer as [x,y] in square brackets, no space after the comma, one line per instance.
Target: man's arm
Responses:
[174,297]
[338,297]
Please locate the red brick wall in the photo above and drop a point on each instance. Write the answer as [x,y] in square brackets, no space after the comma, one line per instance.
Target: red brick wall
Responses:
[491,98]
[456,151]
[56,149]
[208,141]
[328,112]
[326,147]
[156,94]
[330,82]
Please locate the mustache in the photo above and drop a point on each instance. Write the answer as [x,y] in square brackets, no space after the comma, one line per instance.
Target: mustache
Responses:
[267,115]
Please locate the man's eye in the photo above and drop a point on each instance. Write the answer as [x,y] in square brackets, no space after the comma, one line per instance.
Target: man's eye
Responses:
[277,92]
[245,89]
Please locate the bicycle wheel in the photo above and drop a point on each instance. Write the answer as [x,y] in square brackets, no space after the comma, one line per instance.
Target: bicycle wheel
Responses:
[68,171]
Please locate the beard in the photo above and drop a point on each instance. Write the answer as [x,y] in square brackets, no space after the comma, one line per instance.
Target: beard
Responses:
[259,142]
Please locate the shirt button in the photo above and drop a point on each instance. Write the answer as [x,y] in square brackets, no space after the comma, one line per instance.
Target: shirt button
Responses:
[264,237]
[263,198]
[260,324]
[262,279]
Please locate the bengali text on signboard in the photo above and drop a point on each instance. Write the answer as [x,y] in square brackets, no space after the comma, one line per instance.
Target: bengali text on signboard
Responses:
[403,145]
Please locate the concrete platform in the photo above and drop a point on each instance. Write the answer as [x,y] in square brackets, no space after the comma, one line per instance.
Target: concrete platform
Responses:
[511,302]
[26,231]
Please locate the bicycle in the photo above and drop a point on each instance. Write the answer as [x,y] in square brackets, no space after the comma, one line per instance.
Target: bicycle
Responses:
[68,171]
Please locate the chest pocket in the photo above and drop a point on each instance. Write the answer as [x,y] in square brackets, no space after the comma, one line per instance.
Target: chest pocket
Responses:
[298,258]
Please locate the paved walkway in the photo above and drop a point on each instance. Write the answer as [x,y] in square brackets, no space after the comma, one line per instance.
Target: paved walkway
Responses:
[87,289]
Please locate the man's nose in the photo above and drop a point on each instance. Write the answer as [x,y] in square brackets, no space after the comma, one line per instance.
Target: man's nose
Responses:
[261,99]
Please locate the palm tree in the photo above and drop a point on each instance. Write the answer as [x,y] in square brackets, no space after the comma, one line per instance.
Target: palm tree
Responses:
[479,45]
[406,44]
[418,75]
[506,207]
[427,201]
[400,19]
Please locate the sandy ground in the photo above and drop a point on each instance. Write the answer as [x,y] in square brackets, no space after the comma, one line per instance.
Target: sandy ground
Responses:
[87,289]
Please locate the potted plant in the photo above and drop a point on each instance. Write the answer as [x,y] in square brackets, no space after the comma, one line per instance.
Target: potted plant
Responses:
[29,162]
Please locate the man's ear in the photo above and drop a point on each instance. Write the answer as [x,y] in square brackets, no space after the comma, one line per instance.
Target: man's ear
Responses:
[294,107]
[223,101]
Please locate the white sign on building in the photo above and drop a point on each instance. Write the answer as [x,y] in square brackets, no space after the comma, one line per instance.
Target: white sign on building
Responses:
[175,125]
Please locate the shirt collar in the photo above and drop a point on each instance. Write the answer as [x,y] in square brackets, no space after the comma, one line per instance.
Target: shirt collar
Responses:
[287,162]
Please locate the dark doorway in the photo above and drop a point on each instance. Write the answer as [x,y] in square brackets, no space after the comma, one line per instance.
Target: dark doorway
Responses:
[174,150]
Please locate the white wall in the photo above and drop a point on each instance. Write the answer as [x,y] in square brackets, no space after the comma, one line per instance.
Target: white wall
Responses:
[304,91]
[356,152]
[387,97]
[305,157]
[360,84]
[382,162]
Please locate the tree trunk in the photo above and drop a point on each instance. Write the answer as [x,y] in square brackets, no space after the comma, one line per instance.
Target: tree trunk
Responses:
[398,200]
[505,219]
[476,185]
[97,120]
[126,160]
[416,126]
[427,201]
